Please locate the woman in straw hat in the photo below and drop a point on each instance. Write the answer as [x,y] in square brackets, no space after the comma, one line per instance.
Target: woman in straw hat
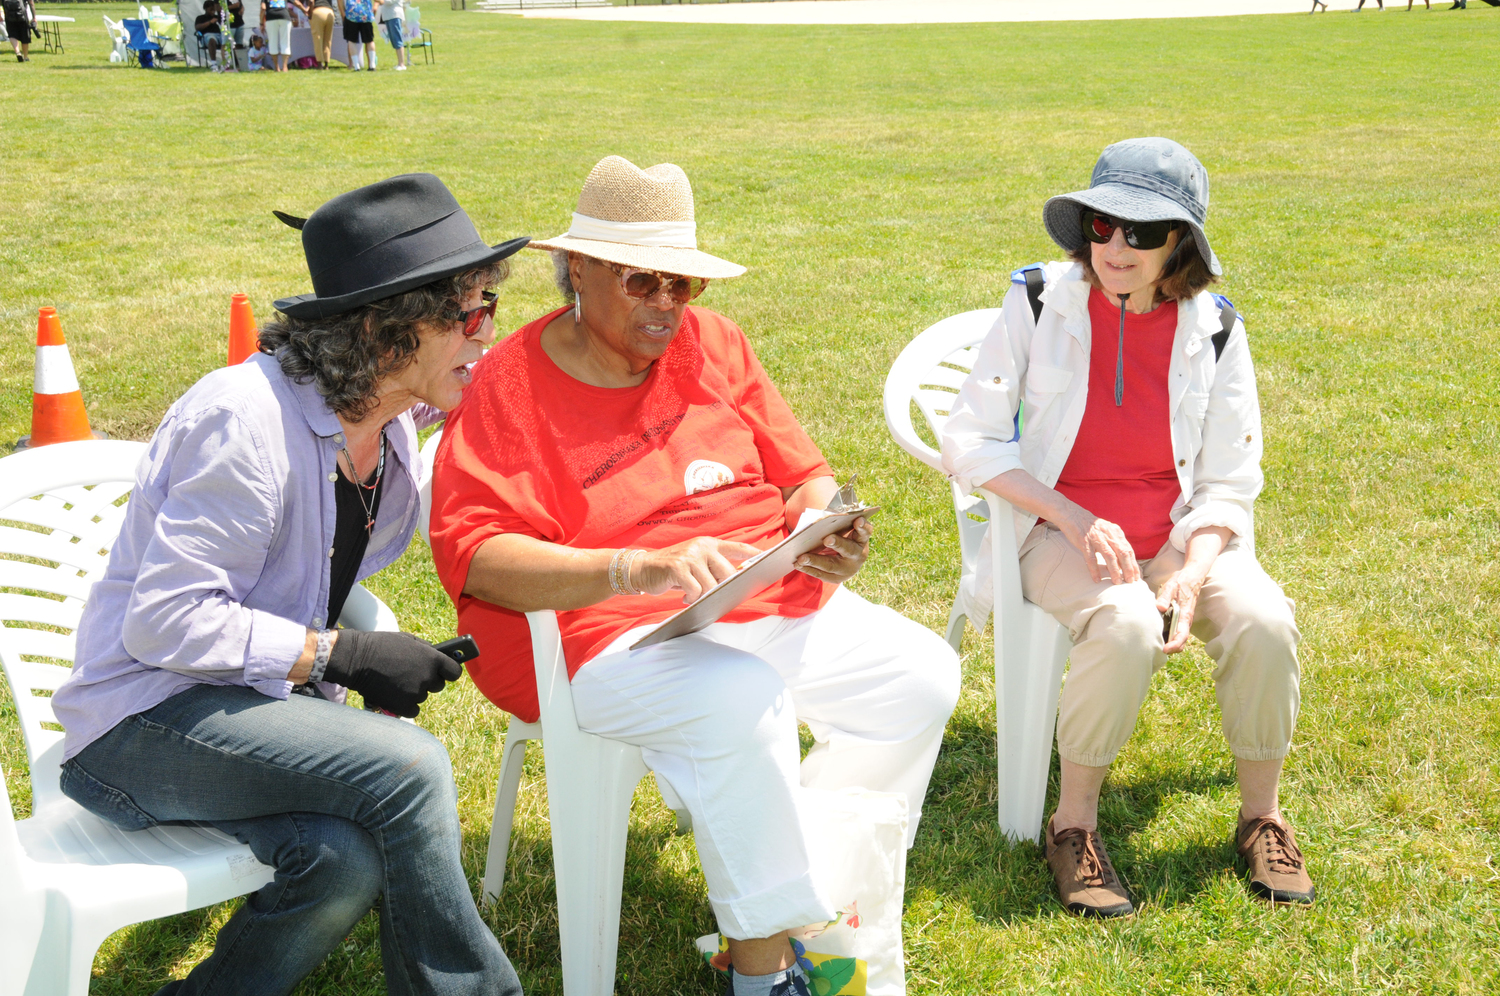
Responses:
[1133,479]
[615,458]
[209,681]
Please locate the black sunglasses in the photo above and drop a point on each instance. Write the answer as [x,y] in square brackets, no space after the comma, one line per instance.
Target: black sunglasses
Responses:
[473,319]
[1100,228]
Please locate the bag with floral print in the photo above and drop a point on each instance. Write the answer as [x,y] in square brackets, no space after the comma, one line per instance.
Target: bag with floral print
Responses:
[858,857]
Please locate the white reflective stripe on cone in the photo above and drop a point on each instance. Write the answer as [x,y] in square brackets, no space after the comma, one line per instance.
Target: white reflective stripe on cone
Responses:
[54,371]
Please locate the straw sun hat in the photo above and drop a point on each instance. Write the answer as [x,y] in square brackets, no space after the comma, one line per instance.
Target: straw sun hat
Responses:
[641,218]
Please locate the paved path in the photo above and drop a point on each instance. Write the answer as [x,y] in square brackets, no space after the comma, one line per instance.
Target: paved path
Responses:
[931,11]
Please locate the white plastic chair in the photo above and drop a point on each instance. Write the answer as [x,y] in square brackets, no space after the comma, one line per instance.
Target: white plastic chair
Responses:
[69,879]
[590,784]
[1030,647]
[118,36]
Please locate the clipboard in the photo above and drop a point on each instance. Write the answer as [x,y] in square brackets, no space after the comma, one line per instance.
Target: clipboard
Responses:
[763,570]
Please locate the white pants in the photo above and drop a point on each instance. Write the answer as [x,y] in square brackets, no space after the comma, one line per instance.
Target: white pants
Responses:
[279,37]
[715,714]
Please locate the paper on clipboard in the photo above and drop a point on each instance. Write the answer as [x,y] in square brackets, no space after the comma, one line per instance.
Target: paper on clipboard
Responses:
[764,569]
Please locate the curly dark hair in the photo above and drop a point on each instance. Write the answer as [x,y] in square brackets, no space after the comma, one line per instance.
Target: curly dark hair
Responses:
[348,354]
[1184,277]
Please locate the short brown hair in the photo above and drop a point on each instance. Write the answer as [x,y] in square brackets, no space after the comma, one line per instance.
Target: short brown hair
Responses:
[1184,277]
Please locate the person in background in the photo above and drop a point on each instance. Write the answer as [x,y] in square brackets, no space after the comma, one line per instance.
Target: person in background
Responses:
[393,23]
[257,55]
[1362,5]
[278,24]
[210,31]
[320,14]
[359,31]
[236,9]
[1133,477]
[20,27]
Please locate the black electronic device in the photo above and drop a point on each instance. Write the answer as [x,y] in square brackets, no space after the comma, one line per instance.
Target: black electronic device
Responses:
[461,648]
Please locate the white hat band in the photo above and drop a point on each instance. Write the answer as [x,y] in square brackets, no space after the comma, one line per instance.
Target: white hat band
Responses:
[671,234]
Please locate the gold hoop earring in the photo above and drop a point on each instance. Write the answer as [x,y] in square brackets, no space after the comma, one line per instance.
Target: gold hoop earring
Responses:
[577,308]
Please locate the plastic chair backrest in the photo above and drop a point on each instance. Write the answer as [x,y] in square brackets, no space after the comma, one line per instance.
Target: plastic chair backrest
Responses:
[61,507]
[414,23]
[929,372]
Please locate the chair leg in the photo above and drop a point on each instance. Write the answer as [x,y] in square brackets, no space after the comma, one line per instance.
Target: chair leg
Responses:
[1029,662]
[589,789]
[956,620]
[512,760]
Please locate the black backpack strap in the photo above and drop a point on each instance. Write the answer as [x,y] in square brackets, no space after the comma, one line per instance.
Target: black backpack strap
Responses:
[1035,283]
[1227,316]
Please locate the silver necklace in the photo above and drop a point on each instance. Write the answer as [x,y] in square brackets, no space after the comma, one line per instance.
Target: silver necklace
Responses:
[360,487]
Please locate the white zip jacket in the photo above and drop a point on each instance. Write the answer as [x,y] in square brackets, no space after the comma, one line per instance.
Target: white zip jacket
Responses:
[1215,410]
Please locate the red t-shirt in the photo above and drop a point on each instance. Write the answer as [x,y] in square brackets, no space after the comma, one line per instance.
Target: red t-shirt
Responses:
[1120,467]
[701,447]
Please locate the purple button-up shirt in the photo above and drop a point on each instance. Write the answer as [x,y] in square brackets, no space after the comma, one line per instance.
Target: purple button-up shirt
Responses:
[222,564]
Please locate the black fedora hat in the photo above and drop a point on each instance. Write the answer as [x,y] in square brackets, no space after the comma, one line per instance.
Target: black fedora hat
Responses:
[383,240]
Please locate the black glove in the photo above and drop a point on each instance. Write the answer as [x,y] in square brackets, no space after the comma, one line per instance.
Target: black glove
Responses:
[393,671]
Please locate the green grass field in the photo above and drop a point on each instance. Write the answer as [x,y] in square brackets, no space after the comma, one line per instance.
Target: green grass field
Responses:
[875,180]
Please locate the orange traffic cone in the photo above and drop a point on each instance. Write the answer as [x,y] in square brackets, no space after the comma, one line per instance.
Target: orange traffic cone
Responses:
[242,331]
[57,414]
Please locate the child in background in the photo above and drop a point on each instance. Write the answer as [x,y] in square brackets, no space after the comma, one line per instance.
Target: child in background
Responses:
[259,55]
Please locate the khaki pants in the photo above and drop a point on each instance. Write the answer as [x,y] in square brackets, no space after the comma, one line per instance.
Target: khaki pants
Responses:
[1242,616]
[322,33]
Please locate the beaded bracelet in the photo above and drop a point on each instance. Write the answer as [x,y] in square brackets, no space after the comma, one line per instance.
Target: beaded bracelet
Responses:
[626,567]
[619,572]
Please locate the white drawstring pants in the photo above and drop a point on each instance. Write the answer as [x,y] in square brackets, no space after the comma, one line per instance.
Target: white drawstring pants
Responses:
[715,714]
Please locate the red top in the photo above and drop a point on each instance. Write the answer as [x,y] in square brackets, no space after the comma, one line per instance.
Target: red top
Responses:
[700,448]
[1120,467]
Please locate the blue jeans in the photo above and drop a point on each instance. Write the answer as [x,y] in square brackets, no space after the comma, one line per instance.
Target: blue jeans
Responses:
[344,804]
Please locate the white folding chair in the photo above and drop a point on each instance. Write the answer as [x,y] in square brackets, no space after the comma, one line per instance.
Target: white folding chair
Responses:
[1030,647]
[590,784]
[69,879]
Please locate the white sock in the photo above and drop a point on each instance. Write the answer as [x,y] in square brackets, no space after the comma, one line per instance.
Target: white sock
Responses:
[372,58]
[356,61]
[779,982]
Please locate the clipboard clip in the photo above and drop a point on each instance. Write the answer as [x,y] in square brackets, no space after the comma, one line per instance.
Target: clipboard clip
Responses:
[845,500]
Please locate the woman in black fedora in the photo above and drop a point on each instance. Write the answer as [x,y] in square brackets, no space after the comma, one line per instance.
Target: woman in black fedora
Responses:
[210,674]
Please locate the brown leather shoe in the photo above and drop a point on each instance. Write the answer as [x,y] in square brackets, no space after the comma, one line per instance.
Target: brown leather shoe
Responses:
[1086,881]
[1277,871]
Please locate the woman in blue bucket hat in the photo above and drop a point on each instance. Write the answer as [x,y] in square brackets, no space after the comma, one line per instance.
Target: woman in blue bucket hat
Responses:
[1133,474]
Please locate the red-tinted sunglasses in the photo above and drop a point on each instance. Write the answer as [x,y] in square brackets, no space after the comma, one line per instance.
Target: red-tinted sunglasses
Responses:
[642,284]
[473,319]
[1100,228]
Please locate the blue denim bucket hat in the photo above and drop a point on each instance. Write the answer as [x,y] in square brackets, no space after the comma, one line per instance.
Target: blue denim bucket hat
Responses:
[1139,179]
